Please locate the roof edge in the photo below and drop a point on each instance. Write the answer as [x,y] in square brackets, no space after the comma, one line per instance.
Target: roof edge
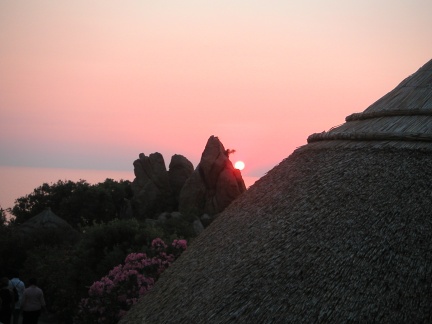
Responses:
[377,136]
[387,113]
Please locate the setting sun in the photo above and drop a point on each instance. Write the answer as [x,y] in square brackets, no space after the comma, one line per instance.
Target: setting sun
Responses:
[239,165]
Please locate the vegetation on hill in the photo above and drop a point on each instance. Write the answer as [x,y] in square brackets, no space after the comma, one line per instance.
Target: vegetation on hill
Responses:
[67,266]
[78,203]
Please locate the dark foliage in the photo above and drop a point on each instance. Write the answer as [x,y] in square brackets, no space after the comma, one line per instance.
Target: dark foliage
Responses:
[78,203]
[3,220]
[12,250]
[66,263]
[52,266]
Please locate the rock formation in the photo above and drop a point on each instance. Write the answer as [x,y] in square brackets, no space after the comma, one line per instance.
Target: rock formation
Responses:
[151,186]
[180,169]
[205,191]
[213,185]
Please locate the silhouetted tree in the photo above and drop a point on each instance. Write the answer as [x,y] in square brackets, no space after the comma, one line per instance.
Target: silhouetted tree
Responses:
[229,151]
[3,220]
[79,203]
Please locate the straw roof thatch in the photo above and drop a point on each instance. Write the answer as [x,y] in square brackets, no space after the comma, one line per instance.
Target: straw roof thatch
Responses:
[402,117]
[340,231]
[45,220]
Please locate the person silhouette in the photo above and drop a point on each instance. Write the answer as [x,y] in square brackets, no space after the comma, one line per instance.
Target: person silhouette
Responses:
[16,283]
[32,303]
[7,301]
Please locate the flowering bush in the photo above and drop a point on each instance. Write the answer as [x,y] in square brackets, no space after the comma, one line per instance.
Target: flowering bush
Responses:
[112,296]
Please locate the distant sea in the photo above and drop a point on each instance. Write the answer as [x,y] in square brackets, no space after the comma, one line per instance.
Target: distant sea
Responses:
[16,182]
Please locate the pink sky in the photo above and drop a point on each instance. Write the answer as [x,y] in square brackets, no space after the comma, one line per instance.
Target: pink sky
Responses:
[91,84]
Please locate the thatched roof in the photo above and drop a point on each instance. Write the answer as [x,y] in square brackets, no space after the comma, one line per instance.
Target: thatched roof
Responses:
[402,117]
[45,220]
[335,233]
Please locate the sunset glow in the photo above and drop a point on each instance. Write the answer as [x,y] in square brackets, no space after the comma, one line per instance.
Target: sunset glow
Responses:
[91,84]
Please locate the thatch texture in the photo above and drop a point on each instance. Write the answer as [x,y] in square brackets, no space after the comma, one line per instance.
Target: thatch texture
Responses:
[46,220]
[404,114]
[335,233]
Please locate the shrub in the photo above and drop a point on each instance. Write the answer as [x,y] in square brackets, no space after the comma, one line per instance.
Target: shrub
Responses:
[111,297]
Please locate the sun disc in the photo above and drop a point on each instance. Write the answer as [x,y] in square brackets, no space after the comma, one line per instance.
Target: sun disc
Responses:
[239,165]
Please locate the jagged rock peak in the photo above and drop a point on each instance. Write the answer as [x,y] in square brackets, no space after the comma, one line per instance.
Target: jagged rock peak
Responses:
[214,184]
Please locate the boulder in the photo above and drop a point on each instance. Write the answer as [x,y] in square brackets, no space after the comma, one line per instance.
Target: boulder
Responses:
[213,185]
[176,214]
[163,217]
[206,219]
[151,186]
[192,197]
[178,223]
[180,169]
[198,227]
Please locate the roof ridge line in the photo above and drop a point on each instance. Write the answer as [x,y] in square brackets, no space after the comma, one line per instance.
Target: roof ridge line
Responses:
[366,136]
[388,113]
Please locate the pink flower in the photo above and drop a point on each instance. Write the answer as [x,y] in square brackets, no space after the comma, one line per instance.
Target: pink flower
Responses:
[180,244]
[157,244]
[124,284]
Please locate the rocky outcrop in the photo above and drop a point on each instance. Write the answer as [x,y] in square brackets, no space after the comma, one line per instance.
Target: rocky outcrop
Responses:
[151,186]
[203,192]
[214,184]
[180,169]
